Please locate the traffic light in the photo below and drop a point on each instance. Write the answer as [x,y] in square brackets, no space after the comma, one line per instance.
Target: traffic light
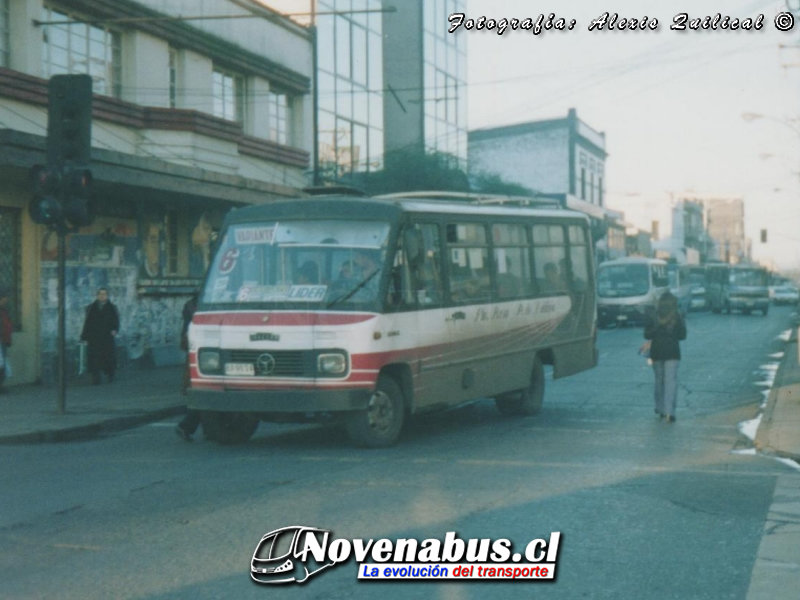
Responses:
[78,205]
[69,121]
[44,206]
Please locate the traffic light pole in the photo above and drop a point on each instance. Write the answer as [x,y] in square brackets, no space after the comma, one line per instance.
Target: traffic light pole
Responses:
[62,188]
[61,401]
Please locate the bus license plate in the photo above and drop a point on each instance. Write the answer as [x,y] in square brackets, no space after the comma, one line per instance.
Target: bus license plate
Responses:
[239,369]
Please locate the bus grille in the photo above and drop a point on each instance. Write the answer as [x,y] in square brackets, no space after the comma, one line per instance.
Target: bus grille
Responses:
[288,363]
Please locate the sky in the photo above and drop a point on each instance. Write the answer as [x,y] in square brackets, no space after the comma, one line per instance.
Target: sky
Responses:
[671,103]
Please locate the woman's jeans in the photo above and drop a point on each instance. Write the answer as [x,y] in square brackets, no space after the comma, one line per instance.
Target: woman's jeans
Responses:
[666,386]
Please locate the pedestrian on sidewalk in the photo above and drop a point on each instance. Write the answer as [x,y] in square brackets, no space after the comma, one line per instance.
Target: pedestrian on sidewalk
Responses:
[189,424]
[666,329]
[99,330]
[6,330]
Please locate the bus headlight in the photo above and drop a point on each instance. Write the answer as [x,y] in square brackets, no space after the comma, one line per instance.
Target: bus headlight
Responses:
[209,361]
[334,364]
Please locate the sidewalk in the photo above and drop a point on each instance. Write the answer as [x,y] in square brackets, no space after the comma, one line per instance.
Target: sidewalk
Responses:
[779,431]
[28,413]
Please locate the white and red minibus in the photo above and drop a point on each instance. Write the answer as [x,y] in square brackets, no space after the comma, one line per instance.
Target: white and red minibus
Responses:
[374,309]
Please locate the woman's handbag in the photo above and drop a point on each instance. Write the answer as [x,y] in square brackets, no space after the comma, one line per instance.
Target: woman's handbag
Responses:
[644,349]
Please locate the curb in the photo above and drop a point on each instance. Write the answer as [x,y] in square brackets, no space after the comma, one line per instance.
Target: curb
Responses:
[93,430]
[762,438]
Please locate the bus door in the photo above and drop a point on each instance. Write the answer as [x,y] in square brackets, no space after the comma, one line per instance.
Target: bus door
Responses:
[414,311]
[581,285]
[472,324]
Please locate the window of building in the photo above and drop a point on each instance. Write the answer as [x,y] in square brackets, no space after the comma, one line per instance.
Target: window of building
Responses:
[229,92]
[350,77]
[173,78]
[4,33]
[583,183]
[600,191]
[10,253]
[82,48]
[278,108]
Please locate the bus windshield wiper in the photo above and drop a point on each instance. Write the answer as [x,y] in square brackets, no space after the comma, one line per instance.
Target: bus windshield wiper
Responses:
[351,293]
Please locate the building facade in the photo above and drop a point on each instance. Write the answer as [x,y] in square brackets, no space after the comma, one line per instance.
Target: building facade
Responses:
[390,80]
[191,118]
[556,158]
[724,219]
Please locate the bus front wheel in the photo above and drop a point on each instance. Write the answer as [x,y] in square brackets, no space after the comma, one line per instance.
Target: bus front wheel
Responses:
[228,427]
[527,401]
[379,426]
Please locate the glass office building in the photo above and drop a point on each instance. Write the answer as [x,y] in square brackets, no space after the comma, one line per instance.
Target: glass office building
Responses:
[386,81]
[445,74]
[350,131]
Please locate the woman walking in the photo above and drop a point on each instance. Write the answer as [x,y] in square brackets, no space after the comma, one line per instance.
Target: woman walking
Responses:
[666,329]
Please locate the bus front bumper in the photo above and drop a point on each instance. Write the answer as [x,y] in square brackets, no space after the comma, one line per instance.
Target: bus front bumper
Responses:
[279,401]
[745,303]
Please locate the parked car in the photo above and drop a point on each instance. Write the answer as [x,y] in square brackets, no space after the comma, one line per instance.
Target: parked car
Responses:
[785,294]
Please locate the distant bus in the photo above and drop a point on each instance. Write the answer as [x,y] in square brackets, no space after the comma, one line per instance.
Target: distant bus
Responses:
[628,289]
[370,310]
[737,287]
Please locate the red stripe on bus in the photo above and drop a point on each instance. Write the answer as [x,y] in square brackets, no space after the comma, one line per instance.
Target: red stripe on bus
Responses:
[242,319]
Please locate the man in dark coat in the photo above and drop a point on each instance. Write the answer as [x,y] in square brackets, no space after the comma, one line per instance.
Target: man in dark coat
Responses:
[99,330]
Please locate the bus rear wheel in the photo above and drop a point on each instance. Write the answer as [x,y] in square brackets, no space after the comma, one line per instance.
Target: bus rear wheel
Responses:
[228,427]
[527,401]
[379,425]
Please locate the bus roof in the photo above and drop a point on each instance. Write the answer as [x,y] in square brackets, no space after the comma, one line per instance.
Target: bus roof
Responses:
[349,207]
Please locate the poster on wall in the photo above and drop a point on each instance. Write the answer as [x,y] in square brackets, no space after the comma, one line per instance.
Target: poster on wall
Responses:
[108,242]
[203,237]
[151,238]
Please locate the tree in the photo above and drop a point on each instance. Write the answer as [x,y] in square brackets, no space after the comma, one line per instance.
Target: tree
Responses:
[411,171]
[491,183]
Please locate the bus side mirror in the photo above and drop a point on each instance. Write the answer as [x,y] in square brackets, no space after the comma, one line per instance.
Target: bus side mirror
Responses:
[414,246]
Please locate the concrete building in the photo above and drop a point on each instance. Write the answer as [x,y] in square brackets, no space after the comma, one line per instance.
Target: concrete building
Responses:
[190,118]
[688,242]
[725,225]
[557,158]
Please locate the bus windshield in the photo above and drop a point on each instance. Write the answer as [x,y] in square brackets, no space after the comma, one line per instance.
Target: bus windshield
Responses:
[697,277]
[308,264]
[622,281]
[748,277]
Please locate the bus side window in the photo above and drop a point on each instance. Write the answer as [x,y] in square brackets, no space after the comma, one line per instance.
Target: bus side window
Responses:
[579,258]
[468,254]
[511,261]
[550,259]
[427,278]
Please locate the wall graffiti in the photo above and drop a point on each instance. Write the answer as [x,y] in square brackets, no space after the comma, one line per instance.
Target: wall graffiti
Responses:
[114,254]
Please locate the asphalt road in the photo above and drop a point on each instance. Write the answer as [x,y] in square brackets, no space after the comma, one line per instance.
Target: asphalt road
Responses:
[647,510]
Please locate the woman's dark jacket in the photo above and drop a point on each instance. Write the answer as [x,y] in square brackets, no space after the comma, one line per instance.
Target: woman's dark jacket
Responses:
[664,339]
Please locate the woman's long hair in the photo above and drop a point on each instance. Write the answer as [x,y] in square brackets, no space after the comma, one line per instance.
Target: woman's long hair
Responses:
[667,311]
